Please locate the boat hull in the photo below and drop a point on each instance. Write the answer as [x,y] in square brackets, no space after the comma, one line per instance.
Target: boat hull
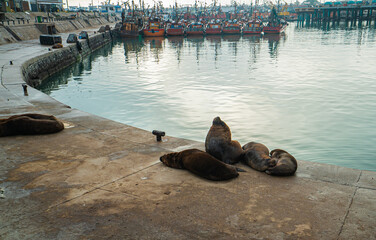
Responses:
[154,32]
[274,30]
[213,31]
[255,30]
[199,32]
[126,34]
[175,32]
[231,31]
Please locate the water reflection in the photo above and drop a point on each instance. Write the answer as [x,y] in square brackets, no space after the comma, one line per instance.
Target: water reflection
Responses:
[273,43]
[177,43]
[155,46]
[215,41]
[196,42]
[132,49]
[254,47]
[76,71]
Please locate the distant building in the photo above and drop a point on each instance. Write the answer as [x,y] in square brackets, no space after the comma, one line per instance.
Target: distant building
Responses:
[31,5]
[46,5]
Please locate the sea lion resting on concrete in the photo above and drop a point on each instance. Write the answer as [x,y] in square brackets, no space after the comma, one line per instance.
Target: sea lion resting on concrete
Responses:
[200,163]
[218,143]
[256,155]
[28,124]
[286,164]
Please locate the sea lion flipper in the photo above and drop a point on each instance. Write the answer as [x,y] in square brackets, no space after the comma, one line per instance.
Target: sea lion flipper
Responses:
[240,170]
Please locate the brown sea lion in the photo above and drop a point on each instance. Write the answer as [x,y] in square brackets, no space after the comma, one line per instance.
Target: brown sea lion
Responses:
[286,164]
[29,124]
[218,143]
[256,155]
[201,164]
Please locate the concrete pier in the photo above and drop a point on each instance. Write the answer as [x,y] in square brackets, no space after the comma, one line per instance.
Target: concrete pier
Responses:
[100,179]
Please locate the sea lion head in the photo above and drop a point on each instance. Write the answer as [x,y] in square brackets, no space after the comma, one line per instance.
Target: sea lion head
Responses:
[172,160]
[276,153]
[258,160]
[217,121]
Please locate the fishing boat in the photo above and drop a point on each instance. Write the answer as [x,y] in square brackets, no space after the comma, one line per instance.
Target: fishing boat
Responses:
[195,28]
[154,28]
[214,28]
[130,28]
[275,24]
[253,26]
[175,29]
[231,27]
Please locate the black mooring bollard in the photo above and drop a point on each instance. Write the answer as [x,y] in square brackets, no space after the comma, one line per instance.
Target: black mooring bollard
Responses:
[25,89]
[11,62]
[159,134]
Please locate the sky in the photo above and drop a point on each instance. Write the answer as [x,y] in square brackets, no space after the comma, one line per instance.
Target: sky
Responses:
[166,3]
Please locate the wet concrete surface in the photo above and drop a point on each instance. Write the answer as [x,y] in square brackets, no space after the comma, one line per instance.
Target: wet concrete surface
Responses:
[100,179]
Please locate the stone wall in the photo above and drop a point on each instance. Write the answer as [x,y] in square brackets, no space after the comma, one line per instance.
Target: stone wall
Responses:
[19,31]
[6,37]
[25,32]
[37,69]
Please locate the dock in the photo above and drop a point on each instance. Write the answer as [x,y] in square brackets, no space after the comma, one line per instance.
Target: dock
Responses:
[323,14]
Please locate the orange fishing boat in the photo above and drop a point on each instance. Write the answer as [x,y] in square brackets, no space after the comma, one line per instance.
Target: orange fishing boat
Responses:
[213,28]
[231,27]
[195,28]
[253,27]
[175,29]
[154,29]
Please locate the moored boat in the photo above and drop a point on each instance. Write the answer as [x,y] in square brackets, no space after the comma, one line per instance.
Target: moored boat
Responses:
[175,29]
[154,29]
[231,27]
[253,26]
[129,29]
[195,28]
[213,28]
[275,24]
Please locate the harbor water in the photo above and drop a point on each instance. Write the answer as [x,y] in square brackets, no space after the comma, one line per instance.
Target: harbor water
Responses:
[309,91]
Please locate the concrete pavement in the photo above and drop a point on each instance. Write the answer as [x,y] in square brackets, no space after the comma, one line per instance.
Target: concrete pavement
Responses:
[100,179]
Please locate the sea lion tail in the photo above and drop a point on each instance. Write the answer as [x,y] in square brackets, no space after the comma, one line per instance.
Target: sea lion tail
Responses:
[240,170]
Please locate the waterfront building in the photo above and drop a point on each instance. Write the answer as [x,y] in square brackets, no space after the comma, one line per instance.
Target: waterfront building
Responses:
[31,5]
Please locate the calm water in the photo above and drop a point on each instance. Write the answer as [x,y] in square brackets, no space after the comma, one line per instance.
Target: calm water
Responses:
[311,92]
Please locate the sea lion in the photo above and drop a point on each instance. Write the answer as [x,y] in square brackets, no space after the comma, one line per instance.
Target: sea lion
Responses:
[201,164]
[256,155]
[218,143]
[28,124]
[286,164]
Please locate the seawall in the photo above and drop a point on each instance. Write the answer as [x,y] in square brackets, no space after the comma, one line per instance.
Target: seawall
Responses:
[37,69]
[13,29]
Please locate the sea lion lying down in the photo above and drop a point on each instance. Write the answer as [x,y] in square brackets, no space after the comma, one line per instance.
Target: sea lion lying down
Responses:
[257,156]
[286,164]
[29,124]
[201,164]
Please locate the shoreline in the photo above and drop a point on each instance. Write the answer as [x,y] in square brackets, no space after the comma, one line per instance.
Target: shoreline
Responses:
[102,179]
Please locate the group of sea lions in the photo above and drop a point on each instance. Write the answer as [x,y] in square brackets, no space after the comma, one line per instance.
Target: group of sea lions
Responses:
[30,124]
[221,151]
